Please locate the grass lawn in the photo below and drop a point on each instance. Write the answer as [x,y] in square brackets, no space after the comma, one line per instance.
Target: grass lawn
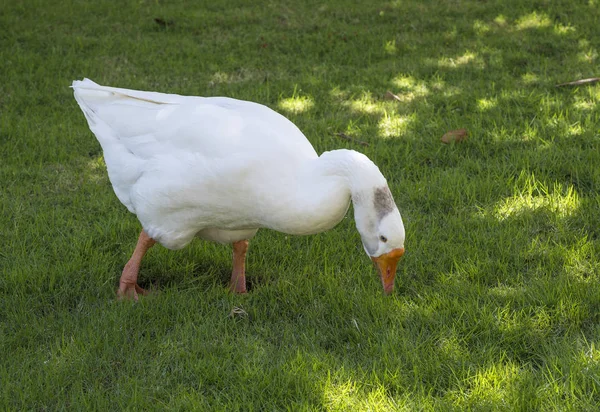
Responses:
[497,300]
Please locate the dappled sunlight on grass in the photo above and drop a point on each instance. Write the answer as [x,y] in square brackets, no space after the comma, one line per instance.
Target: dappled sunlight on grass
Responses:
[296,104]
[531,196]
[500,20]
[392,125]
[347,396]
[506,292]
[405,82]
[366,105]
[242,75]
[563,30]
[591,355]
[219,77]
[584,104]
[530,78]
[575,130]
[481,27]
[489,387]
[337,94]
[486,104]
[588,56]
[451,91]
[409,88]
[561,205]
[468,58]
[390,47]
[96,169]
[587,53]
[533,20]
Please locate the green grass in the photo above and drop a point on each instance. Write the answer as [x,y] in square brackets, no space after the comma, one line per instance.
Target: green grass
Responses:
[497,305]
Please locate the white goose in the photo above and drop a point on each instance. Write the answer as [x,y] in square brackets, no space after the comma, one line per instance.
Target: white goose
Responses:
[220,169]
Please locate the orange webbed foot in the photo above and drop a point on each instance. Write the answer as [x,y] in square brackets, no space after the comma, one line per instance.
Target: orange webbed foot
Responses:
[129,291]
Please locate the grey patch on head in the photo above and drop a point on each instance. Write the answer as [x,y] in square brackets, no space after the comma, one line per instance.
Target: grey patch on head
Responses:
[383,201]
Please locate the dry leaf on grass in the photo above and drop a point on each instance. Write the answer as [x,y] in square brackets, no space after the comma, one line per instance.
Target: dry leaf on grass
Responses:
[455,136]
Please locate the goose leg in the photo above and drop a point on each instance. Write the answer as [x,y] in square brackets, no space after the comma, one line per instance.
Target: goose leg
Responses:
[238,275]
[128,287]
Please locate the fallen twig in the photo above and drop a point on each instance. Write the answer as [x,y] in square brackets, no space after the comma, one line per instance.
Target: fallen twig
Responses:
[391,96]
[163,22]
[350,139]
[580,82]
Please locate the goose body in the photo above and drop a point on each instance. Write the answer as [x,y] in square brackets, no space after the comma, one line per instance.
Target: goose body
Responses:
[220,168]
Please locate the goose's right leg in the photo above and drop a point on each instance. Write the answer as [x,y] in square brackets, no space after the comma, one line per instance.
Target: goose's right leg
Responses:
[128,287]
[238,275]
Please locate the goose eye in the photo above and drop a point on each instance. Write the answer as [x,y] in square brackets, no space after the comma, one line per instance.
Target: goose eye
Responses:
[383,238]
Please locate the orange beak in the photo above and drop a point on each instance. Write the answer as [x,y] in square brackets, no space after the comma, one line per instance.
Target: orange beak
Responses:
[386,264]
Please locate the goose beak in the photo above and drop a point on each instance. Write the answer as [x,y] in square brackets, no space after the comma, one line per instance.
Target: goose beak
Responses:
[386,265]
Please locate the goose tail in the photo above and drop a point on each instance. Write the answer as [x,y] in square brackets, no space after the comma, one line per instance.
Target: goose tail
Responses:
[124,167]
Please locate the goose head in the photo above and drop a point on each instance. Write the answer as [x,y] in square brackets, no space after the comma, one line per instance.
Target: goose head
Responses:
[381,230]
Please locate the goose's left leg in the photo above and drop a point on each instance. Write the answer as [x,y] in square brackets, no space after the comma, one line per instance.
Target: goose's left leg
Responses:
[128,287]
[238,275]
